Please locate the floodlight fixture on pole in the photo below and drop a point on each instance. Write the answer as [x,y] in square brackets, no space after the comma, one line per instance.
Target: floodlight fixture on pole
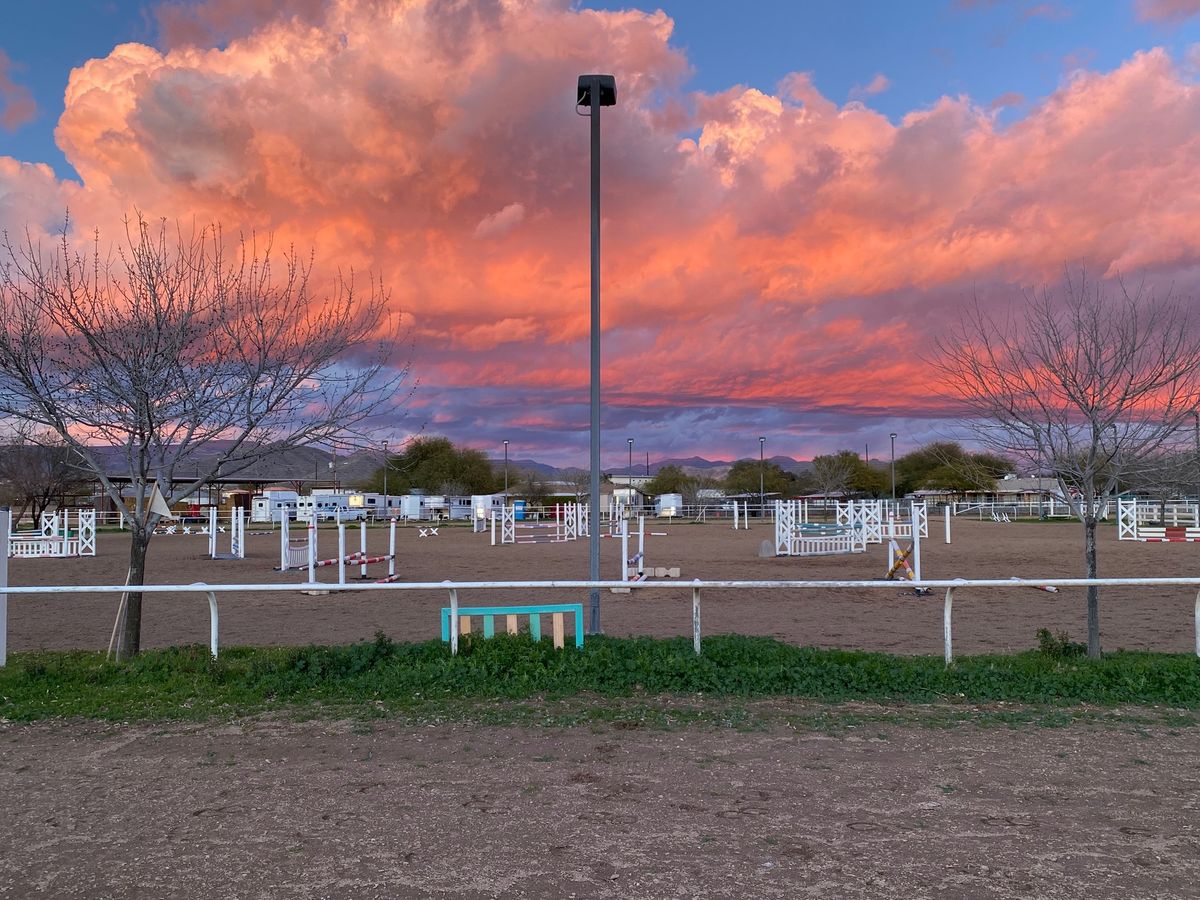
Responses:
[595,91]
[893,437]
[761,501]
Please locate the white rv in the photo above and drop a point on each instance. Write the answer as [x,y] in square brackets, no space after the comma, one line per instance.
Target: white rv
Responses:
[326,505]
[273,505]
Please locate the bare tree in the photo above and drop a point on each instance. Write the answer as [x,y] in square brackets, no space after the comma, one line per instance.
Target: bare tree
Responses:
[1089,387]
[185,347]
[580,483]
[833,472]
[37,469]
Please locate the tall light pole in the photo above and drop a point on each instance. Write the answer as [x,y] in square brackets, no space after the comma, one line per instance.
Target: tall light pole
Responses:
[893,437]
[595,91]
[506,469]
[1196,416]
[386,466]
[629,471]
[761,502]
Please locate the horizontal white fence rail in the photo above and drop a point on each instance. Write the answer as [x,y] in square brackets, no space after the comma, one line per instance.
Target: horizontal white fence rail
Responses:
[696,586]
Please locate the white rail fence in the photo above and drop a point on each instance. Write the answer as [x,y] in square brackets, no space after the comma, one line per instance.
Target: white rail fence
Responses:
[696,586]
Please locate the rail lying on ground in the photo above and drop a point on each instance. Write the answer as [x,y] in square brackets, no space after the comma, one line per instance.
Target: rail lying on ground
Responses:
[696,586]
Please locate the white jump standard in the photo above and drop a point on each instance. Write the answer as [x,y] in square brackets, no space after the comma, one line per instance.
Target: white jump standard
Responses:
[299,556]
[54,539]
[795,536]
[237,534]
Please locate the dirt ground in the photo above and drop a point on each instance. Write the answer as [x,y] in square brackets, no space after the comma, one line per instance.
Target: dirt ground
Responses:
[384,808]
[985,621]
[267,808]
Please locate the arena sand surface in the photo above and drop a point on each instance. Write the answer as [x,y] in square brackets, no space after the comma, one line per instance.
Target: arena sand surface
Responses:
[884,803]
[986,620]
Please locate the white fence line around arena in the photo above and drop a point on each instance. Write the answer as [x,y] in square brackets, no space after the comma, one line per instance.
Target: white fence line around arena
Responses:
[696,586]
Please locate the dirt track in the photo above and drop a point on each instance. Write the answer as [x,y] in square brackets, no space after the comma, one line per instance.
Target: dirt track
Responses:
[995,621]
[276,809]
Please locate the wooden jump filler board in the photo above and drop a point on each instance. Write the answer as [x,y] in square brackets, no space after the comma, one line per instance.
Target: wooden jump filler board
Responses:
[556,611]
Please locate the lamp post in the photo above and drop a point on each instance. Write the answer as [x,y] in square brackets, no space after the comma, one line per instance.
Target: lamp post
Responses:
[506,471]
[595,91]
[1196,417]
[761,502]
[893,437]
[629,471]
[386,465]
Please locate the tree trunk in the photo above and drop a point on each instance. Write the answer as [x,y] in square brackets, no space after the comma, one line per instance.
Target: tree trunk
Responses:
[1093,591]
[130,640]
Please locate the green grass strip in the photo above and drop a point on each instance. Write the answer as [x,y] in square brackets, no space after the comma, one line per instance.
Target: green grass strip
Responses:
[183,682]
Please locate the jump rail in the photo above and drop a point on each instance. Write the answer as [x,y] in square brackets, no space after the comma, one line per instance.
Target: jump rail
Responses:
[696,586]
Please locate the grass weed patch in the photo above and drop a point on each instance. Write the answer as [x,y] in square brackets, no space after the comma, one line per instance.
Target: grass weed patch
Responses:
[509,678]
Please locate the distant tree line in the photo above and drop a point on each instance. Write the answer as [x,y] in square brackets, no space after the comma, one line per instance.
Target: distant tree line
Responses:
[435,465]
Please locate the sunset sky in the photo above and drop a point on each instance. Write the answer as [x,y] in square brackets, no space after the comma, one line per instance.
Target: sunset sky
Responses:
[797,195]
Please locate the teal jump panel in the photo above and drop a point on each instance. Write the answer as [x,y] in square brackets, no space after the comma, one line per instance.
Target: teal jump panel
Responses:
[534,611]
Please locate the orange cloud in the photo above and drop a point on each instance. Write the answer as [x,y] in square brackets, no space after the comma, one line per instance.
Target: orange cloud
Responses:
[759,248]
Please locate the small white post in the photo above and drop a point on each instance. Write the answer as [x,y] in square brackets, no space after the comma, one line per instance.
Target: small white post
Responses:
[947,524]
[1197,617]
[453,622]
[239,533]
[341,553]
[283,540]
[312,550]
[392,549]
[624,549]
[696,616]
[212,532]
[947,634]
[916,538]
[212,620]
[362,546]
[735,515]
[493,528]
[641,566]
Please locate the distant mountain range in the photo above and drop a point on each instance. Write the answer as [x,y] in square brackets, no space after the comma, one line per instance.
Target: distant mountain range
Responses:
[310,463]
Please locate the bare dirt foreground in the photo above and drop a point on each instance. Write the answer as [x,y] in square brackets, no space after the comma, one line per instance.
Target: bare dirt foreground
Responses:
[881,805]
[985,621]
[275,809]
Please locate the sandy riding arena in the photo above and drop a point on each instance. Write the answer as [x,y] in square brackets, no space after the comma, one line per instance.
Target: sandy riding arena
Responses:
[893,621]
[736,799]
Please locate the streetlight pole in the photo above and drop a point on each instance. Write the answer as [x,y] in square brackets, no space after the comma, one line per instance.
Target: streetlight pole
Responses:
[595,91]
[893,437]
[1196,417]
[761,502]
[506,471]
[629,472]
[386,465]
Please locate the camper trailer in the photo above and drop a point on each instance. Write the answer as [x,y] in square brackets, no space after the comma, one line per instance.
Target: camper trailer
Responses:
[326,505]
[273,505]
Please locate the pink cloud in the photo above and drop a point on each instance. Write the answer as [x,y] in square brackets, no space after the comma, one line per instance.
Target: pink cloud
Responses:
[16,102]
[876,85]
[1166,10]
[759,248]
